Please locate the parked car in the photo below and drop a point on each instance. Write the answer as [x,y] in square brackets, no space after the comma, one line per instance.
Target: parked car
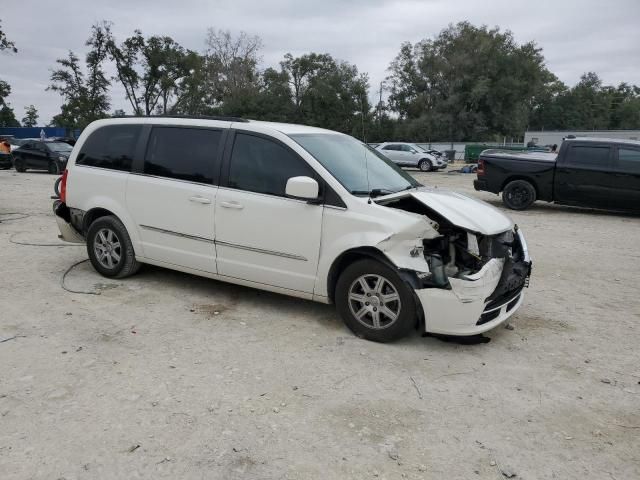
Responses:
[36,154]
[5,154]
[411,155]
[431,151]
[68,140]
[292,209]
[587,172]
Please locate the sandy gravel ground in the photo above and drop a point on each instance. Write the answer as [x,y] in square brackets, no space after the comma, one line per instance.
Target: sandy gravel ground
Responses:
[167,375]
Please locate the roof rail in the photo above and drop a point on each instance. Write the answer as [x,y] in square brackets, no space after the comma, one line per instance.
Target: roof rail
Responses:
[194,117]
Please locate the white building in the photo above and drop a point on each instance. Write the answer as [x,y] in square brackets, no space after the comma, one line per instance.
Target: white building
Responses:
[551,137]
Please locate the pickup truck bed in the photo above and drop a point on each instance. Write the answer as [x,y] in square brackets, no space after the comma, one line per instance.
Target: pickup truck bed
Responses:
[537,167]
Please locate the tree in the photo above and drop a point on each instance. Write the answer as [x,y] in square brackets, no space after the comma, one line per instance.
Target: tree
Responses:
[153,71]
[5,43]
[5,88]
[7,117]
[468,83]
[328,93]
[30,117]
[588,105]
[86,97]
[274,102]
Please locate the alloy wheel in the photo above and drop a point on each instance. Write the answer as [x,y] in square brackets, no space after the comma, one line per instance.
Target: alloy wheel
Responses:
[374,301]
[107,248]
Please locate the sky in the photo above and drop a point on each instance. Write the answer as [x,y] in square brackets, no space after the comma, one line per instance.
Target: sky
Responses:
[576,35]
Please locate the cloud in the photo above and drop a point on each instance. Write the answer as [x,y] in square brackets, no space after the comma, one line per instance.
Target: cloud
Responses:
[576,36]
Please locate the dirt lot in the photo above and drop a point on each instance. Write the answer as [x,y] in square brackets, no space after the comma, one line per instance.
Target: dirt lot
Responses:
[166,375]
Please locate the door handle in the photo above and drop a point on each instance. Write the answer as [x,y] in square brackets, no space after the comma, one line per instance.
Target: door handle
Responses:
[199,199]
[236,205]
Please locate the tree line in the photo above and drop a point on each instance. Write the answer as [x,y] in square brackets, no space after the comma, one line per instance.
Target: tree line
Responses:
[468,83]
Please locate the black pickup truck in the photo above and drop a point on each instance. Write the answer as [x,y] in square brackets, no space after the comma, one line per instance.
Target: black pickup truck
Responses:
[586,172]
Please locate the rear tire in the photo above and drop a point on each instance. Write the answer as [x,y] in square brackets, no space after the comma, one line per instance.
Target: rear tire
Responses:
[110,249]
[518,195]
[374,302]
[425,165]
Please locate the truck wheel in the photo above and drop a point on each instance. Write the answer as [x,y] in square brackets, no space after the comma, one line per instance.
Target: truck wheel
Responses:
[374,302]
[518,195]
[425,165]
[110,249]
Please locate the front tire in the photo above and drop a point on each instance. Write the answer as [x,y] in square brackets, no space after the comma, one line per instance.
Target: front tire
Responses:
[374,302]
[518,195]
[110,249]
[425,165]
[19,165]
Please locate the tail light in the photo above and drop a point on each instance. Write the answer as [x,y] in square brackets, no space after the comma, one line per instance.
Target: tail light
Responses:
[480,170]
[63,186]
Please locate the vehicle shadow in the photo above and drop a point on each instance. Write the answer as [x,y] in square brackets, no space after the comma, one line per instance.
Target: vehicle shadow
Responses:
[237,296]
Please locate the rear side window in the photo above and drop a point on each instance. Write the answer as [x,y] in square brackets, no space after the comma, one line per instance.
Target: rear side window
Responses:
[182,153]
[264,166]
[111,147]
[629,160]
[591,156]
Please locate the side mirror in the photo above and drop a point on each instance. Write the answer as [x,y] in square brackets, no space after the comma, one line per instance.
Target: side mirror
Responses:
[303,188]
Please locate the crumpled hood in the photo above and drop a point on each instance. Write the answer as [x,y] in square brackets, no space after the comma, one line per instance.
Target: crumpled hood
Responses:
[461,210]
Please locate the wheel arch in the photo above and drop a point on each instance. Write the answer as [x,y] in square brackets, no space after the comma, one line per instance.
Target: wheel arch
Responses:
[93,214]
[348,257]
[520,177]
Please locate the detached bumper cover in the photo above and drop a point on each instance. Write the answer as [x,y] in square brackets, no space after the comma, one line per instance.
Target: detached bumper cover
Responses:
[63,218]
[482,301]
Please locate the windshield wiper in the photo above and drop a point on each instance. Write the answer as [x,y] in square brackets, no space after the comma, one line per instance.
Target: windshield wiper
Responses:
[374,192]
[410,187]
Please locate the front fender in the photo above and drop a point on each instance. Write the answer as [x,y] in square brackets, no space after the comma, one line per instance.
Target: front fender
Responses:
[398,239]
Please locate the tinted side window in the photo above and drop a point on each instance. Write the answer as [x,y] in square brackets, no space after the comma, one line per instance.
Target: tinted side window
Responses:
[405,148]
[588,156]
[110,147]
[182,153]
[629,160]
[263,166]
[389,147]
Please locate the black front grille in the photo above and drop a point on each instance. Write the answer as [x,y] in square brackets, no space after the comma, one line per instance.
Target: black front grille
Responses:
[510,296]
[513,303]
[487,317]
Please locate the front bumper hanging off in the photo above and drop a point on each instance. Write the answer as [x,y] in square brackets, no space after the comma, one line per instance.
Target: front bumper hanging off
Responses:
[481,301]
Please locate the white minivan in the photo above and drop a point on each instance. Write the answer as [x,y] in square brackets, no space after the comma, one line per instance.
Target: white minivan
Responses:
[292,209]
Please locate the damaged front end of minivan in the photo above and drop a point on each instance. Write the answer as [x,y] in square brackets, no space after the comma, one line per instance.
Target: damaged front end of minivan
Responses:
[467,272]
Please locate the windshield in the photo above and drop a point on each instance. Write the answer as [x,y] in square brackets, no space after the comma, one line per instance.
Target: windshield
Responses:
[359,168]
[59,147]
